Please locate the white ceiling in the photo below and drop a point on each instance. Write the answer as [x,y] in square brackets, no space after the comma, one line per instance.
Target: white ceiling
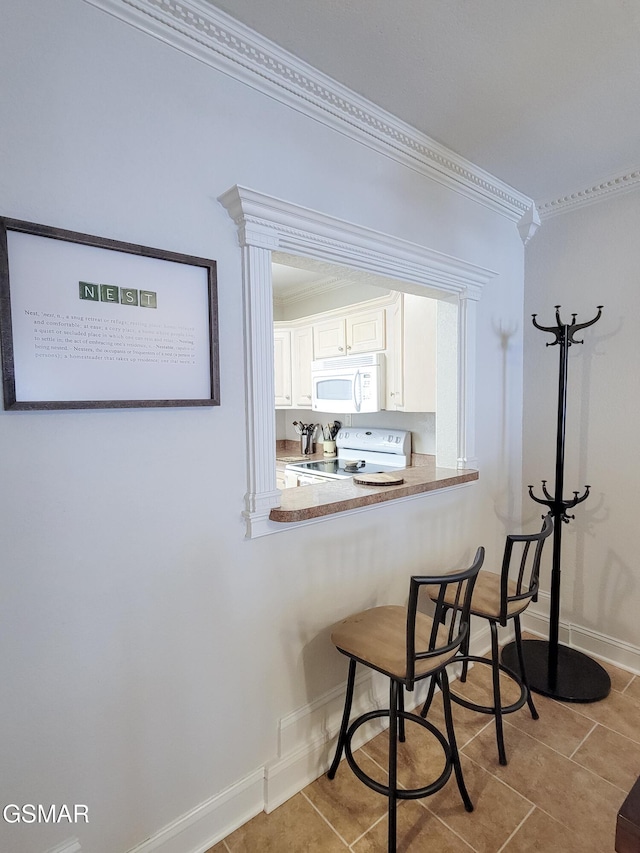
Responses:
[543,94]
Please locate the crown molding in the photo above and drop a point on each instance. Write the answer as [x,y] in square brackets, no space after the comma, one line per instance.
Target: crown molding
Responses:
[272,223]
[213,37]
[607,188]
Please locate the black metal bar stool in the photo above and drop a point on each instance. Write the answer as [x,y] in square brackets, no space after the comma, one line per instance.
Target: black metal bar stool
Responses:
[407,646]
[498,598]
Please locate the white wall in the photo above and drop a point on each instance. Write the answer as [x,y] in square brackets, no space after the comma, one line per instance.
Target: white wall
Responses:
[149,651]
[580,260]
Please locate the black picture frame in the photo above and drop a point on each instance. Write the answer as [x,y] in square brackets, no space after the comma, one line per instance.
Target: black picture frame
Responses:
[88,322]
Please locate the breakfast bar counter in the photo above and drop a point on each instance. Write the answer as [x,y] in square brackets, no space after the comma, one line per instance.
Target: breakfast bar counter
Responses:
[322,499]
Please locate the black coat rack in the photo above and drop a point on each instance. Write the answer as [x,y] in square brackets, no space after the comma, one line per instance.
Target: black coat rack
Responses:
[553,669]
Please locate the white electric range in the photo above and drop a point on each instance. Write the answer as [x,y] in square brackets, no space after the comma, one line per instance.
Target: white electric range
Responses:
[359,450]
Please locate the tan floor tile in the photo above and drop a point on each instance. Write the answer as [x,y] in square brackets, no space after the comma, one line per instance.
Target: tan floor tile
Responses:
[346,802]
[633,689]
[620,678]
[479,685]
[617,711]
[419,831]
[576,797]
[559,726]
[219,848]
[421,758]
[467,723]
[294,827]
[611,756]
[478,688]
[540,833]
[498,810]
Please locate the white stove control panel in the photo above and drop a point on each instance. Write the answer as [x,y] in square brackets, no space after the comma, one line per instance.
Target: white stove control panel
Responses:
[378,439]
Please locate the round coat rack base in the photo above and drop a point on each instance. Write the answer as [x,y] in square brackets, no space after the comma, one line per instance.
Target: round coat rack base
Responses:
[578,677]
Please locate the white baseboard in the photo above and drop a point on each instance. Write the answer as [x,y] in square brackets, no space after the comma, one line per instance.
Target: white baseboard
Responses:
[617,652]
[211,821]
[306,741]
[71,845]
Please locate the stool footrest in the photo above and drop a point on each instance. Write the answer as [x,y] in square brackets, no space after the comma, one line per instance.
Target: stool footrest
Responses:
[400,793]
[490,709]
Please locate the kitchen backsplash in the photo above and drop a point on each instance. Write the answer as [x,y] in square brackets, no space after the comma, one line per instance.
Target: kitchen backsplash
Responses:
[421,424]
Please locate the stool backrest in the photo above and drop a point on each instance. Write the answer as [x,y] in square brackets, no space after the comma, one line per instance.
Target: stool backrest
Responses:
[525,576]
[444,641]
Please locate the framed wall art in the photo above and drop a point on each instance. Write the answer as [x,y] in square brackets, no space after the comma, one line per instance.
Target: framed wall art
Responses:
[88,322]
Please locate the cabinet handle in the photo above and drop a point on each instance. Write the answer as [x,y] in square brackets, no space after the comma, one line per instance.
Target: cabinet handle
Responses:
[340,349]
[287,397]
[349,347]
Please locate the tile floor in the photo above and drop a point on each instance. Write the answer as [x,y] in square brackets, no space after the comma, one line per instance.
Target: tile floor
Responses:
[567,776]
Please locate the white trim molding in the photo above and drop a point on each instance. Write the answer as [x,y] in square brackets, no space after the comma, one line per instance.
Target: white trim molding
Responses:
[607,188]
[529,224]
[466,377]
[213,37]
[606,648]
[267,225]
[71,845]
[206,824]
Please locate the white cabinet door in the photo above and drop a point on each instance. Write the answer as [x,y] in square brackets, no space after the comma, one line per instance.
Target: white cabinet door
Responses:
[329,338]
[301,358]
[395,355]
[282,367]
[365,331]
[419,330]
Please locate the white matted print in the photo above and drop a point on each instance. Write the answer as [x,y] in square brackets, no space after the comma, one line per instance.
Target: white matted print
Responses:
[88,322]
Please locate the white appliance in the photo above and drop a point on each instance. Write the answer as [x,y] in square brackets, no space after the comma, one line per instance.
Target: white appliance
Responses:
[348,384]
[360,450]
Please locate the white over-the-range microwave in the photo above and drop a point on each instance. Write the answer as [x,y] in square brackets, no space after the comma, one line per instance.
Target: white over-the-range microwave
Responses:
[348,384]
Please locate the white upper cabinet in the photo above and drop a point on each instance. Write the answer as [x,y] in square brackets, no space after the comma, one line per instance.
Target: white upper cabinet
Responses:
[411,355]
[330,338]
[301,358]
[358,332]
[366,331]
[402,325]
[282,366]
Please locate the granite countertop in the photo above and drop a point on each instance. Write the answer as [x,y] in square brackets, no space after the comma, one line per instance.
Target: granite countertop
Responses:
[321,499]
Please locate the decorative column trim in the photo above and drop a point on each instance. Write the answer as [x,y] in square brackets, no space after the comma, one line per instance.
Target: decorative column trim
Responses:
[215,38]
[467,309]
[262,492]
[529,224]
[267,225]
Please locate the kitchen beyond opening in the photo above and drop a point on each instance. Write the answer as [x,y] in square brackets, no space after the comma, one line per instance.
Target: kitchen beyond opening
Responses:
[355,350]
